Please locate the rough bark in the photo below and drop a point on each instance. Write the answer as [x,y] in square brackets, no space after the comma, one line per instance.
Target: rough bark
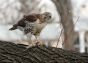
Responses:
[64,9]
[12,53]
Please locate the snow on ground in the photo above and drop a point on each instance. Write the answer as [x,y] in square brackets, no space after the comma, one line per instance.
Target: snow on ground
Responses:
[12,36]
[51,35]
[51,31]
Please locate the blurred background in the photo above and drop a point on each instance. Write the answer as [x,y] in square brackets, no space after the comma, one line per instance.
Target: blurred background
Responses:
[72,13]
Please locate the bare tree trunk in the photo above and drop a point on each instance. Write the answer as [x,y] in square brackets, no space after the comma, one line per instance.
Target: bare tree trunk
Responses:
[64,9]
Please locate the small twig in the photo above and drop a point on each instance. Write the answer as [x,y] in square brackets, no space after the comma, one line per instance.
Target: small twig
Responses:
[59,37]
[77,19]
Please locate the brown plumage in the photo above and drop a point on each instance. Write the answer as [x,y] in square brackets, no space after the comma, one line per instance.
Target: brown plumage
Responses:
[30,22]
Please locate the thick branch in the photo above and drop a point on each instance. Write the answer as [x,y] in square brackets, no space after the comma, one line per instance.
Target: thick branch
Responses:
[12,53]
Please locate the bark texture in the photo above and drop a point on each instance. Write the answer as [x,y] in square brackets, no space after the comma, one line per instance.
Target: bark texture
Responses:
[12,53]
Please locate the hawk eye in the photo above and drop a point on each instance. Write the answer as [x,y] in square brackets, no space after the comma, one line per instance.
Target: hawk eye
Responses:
[49,16]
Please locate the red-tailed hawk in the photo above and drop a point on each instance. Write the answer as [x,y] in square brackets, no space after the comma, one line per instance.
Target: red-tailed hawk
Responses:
[30,22]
